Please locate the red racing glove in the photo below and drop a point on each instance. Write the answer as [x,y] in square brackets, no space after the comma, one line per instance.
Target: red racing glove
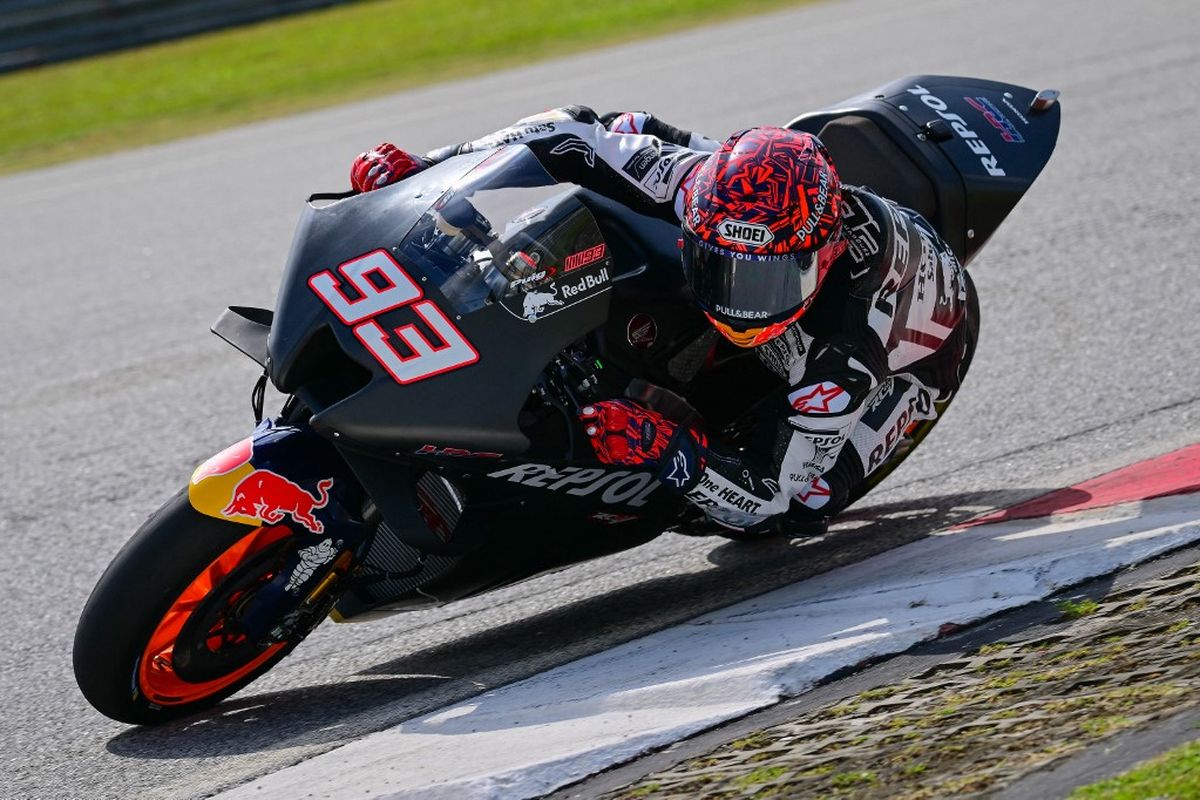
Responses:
[382,165]
[623,432]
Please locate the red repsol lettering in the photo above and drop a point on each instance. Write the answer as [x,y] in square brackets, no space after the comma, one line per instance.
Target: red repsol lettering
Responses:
[919,404]
[620,487]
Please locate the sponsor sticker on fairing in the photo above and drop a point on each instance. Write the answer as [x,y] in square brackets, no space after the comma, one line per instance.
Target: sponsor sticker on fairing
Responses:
[318,555]
[535,303]
[995,118]
[454,452]
[528,215]
[269,497]
[641,332]
[530,280]
[615,487]
[747,233]
[547,299]
[605,518]
[584,257]
[959,125]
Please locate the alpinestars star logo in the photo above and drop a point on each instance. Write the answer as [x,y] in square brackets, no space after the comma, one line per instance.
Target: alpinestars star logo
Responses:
[679,470]
[825,397]
[816,495]
[627,123]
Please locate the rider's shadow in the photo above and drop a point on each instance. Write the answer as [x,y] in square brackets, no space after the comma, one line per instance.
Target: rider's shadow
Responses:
[859,531]
[457,670]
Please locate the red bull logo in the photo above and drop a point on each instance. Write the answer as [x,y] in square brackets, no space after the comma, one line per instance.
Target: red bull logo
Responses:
[268,497]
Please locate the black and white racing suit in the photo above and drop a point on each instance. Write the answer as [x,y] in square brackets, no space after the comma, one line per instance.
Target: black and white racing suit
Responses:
[886,343]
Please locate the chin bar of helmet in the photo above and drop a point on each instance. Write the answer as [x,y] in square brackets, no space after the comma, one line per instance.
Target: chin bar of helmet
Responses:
[753,337]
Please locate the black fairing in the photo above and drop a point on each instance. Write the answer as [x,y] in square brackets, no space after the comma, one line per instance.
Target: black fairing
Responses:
[539,498]
[927,142]
[351,395]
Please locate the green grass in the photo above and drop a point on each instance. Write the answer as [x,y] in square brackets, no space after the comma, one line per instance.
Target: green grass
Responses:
[1175,775]
[760,775]
[1074,609]
[164,91]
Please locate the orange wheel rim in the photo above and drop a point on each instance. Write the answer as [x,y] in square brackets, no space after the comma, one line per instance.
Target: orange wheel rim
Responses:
[156,675]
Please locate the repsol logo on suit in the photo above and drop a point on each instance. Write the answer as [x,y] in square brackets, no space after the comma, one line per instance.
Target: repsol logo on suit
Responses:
[919,406]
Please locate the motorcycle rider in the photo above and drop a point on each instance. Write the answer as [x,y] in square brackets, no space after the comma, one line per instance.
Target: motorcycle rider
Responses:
[854,301]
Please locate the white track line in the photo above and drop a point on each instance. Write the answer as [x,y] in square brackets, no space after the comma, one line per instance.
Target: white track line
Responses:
[531,737]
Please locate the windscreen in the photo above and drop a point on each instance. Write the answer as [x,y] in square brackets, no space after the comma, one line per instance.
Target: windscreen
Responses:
[508,234]
[449,291]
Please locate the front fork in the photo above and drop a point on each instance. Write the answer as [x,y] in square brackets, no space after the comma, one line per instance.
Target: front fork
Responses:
[288,475]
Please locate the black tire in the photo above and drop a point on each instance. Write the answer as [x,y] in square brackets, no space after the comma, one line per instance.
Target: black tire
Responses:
[154,568]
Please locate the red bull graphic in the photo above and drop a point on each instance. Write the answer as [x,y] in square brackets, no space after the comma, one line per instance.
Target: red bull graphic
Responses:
[268,497]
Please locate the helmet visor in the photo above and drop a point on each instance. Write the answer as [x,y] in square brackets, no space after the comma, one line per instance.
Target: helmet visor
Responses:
[745,291]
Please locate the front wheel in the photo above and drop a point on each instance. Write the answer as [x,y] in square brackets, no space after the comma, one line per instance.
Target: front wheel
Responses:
[161,635]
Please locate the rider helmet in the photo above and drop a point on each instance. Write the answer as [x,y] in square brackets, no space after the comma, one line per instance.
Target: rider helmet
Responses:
[760,228]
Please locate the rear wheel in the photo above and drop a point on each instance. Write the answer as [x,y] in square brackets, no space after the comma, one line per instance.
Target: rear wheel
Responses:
[163,633]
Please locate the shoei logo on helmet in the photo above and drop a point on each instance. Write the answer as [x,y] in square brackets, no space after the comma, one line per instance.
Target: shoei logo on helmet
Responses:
[751,233]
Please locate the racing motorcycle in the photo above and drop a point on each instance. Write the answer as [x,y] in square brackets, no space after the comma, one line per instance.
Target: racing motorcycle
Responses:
[435,340]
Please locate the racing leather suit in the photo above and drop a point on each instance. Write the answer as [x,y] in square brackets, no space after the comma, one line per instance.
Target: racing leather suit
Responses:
[886,342]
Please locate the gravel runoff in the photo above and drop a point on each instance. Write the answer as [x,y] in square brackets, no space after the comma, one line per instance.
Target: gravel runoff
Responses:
[981,723]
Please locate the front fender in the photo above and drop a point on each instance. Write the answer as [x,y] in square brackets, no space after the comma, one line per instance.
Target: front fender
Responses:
[278,475]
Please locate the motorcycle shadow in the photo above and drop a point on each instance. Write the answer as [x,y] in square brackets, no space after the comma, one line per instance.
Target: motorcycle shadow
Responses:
[458,670]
